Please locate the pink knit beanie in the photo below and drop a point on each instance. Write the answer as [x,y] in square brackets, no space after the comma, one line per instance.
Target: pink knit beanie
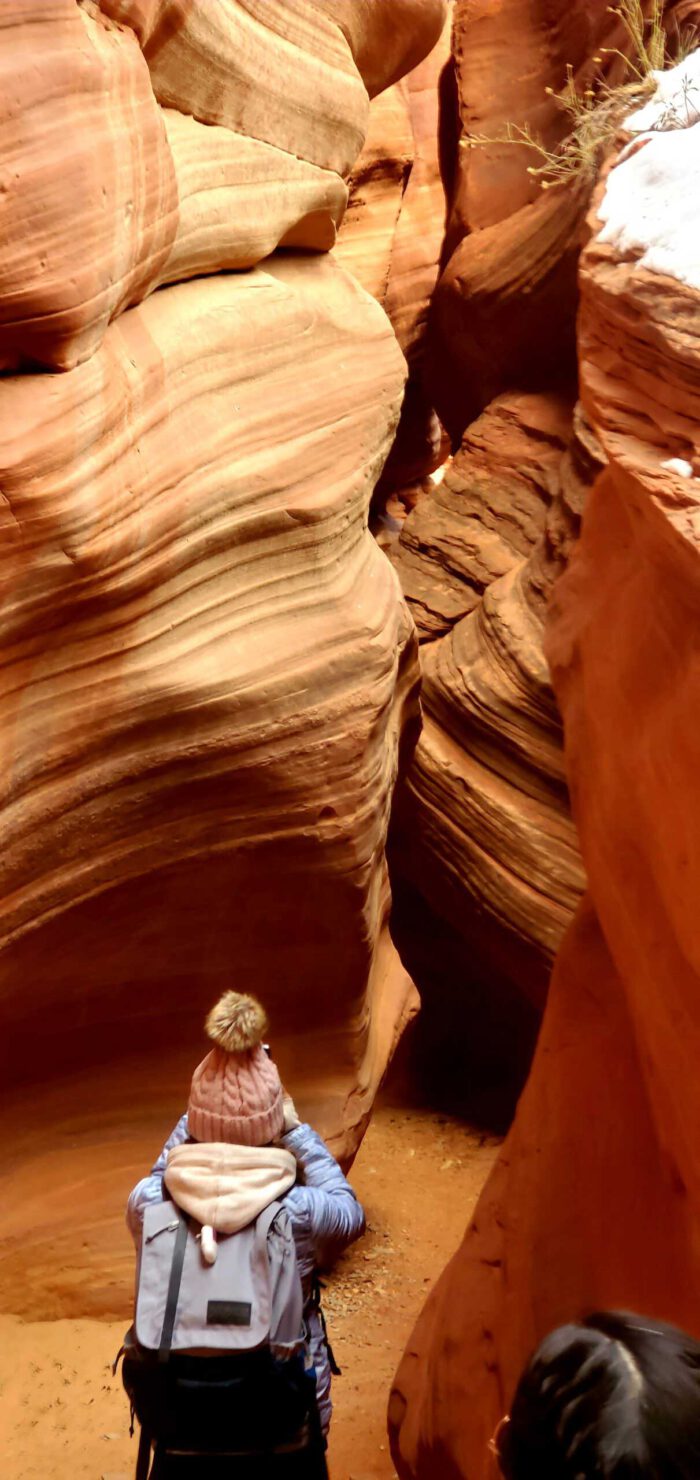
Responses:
[236,1092]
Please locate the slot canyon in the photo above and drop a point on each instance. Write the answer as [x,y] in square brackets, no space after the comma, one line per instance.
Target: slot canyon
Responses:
[350,593]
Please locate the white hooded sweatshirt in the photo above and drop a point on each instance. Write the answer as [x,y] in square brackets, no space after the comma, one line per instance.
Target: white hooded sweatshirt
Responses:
[224,1186]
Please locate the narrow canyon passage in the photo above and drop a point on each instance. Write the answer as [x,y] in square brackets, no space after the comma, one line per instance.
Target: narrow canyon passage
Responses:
[349,662]
[418,1174]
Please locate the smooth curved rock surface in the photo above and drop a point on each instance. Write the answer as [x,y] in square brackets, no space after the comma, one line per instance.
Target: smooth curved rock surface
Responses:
[504,311]
[421,444]
[377,185]
[87,184]
[481,827]
[239,199]
[500,83]
[483,852]
[202,54]
[105,195]
[391,239]
[207,671]
[596,1198]
[505,307]
[278,72]
[388,40]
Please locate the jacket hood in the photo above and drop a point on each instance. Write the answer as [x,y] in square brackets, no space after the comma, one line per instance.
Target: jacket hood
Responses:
[227,1186]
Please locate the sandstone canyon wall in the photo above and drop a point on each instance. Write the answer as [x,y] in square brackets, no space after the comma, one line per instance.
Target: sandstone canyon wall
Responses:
[208,671]
[484,856]
[391,239]
[596,1198]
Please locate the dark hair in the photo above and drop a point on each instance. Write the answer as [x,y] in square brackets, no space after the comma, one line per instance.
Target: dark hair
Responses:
[614,1398]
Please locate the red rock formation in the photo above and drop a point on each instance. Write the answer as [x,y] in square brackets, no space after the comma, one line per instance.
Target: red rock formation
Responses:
[263,112]
[505,307]
[150,678]
[504,311]
[208,669]
[377,184]
[484,854]
[481,830]
[391,239]
[596,1198]
[64,273]
[387,40]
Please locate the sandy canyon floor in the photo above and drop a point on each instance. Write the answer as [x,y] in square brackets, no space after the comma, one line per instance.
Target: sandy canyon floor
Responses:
[63,1415]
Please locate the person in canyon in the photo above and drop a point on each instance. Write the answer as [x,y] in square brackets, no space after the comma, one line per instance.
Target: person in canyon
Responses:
[614,1398]
[237,1098]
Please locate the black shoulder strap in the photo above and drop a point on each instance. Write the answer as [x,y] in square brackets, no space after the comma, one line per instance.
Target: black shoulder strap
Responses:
[166,1335]
[317,1286]
[266,1218]
[143,1463]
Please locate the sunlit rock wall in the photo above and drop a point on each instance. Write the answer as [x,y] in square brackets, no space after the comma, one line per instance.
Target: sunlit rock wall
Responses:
[484,854]
[482,828]
[208,669]
[391,239]
[596,1198]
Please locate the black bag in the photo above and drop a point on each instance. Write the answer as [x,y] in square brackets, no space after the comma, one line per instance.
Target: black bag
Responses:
[210,1401]
[215,1404]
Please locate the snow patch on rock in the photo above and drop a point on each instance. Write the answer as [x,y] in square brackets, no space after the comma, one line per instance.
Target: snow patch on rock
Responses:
[678,465]
[676,102]
[651,207]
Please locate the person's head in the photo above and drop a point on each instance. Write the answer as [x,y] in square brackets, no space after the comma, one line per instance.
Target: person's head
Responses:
[236,1093]
[614,1398]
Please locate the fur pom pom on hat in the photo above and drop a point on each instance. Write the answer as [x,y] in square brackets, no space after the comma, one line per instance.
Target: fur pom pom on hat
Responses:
[237,1023]
[236,1093]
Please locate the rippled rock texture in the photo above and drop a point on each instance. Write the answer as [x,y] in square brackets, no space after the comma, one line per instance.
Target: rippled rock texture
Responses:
[208,669]
[596,1198]
[392,237]
[484,853]
[504,310]
[263,108]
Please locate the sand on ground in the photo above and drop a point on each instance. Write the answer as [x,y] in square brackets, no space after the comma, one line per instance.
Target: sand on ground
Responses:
[63,1416]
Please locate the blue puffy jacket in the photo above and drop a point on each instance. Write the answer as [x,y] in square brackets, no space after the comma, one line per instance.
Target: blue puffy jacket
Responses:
[325,1216]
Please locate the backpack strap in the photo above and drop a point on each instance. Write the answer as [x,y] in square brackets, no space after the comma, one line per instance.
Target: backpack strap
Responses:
[265,1220]
[166,1336]
[317,1286]
[143,1462]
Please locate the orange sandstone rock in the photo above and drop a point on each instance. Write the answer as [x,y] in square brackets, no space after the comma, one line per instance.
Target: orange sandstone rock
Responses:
[392,237]
[278,72]
[505,307]
[596,1198]
[105,195]
[209,673]
[377,186]
[390,39]
[207,670]
[488,512]
[504,310]
[88,195]
[482,829]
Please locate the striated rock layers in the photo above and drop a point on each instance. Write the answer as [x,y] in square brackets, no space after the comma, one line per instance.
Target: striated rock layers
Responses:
[484,854]
[263,109]
[392,235]
[504,311]
[208,671]
[596,1198]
